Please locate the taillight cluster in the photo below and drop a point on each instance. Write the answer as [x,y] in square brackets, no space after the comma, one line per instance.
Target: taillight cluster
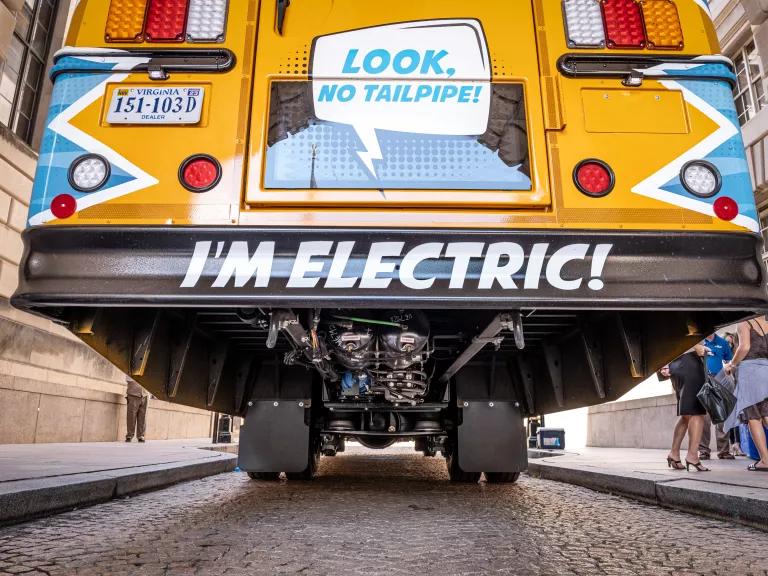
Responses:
[166,20]
[595,179]
[620,24]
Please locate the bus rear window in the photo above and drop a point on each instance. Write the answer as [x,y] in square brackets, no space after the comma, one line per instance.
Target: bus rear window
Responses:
[306,152]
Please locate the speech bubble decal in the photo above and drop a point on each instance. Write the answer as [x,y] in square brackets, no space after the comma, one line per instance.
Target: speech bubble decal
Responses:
[425,77]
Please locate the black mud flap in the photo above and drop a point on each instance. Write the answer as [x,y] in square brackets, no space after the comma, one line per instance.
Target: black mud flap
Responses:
[492,437]
[275,437]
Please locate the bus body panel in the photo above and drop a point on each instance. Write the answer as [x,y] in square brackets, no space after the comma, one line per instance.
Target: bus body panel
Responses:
[290,56]
[391,227]
[561,114]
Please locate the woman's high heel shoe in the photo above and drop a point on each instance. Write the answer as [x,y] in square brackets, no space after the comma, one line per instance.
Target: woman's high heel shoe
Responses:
[696,465]
[674,464]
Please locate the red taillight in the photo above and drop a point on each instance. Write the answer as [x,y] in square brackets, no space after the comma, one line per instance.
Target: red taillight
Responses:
[593,178]
[166,20]
[623,24]
[726,208]
[200,173]
[63,206]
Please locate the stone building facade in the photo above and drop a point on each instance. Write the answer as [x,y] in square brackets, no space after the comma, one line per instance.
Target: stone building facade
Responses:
[52,387]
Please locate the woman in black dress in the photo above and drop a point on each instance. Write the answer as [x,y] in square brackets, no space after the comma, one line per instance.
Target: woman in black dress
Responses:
[687,374]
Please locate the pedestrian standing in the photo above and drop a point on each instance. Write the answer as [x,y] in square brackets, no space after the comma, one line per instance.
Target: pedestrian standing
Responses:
[719,352]
[750,363]
[136,410]
[688,376]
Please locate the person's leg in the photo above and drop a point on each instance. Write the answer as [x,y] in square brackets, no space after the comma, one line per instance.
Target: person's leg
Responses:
[142,418]
[678,434]
[758,437]
[131,408]
[736,442]
[706,438]
[695,429]
[723,442]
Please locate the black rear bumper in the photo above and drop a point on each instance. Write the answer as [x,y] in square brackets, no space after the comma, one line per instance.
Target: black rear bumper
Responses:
[429,268]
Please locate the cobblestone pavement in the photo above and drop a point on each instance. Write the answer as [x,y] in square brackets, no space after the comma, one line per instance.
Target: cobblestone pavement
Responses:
[379,513]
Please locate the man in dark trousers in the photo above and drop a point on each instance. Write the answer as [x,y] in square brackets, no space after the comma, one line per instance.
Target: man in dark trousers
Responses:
[136,415]
[718,352]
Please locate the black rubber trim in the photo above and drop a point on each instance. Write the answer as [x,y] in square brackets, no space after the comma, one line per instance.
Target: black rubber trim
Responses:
[193,60]
[624,65]
[133,266]
[712,168]
[581,189]
[192,159]
[78,160]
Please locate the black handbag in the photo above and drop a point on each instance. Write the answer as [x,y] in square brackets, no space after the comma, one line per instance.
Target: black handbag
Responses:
[716,398]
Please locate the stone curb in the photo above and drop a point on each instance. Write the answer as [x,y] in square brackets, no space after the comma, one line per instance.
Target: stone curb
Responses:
[27,499]
[736,503]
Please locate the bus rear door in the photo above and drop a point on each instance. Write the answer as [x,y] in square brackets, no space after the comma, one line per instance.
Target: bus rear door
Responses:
[421,104]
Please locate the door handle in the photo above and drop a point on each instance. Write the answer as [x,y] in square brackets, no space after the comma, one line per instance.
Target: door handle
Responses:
[282,8]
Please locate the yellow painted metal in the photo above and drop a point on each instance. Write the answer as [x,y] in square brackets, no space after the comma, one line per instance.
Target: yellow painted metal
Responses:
[630,110]
[634,156]
[525,38]
[286,56]
[159,150]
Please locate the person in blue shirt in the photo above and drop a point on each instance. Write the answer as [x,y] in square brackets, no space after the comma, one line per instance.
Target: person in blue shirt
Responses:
[718,353]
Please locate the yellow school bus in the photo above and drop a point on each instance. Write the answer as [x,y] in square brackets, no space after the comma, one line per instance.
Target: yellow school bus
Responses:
[411,220]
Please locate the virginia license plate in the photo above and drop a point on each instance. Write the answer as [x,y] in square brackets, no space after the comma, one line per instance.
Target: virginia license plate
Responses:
[156,105]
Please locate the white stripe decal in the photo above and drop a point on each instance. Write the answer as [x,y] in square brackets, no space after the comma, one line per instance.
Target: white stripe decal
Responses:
[705,6]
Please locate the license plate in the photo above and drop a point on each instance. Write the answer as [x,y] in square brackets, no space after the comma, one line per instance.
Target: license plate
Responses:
[156,105]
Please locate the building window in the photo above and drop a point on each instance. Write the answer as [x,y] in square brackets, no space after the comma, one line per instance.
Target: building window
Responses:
[749,92]
[22,74]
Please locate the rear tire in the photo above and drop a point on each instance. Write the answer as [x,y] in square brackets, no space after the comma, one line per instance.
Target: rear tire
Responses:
[455,473]
[266,476]
[313,461]
[502,477]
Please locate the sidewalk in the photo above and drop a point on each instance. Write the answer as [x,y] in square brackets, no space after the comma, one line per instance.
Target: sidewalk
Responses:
[41,479]
[728,491]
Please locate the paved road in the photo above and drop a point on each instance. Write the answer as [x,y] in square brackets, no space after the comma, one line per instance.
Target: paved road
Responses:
[379,513]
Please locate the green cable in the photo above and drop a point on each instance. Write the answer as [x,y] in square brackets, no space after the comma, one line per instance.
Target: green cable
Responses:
[369,321]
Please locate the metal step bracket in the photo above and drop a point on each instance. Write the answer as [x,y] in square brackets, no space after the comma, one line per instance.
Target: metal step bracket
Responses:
[511,321]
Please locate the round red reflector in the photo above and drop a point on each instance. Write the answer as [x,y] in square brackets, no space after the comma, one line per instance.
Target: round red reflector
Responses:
[726,208]
[200,173]
[593,178]
[63,206]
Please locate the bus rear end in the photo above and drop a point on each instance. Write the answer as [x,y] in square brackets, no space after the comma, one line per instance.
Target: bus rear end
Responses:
[421,220]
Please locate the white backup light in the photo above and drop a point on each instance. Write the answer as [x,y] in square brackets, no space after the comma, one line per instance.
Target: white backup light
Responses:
[584,23]
[701,178]
[88,173]
[206,20]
